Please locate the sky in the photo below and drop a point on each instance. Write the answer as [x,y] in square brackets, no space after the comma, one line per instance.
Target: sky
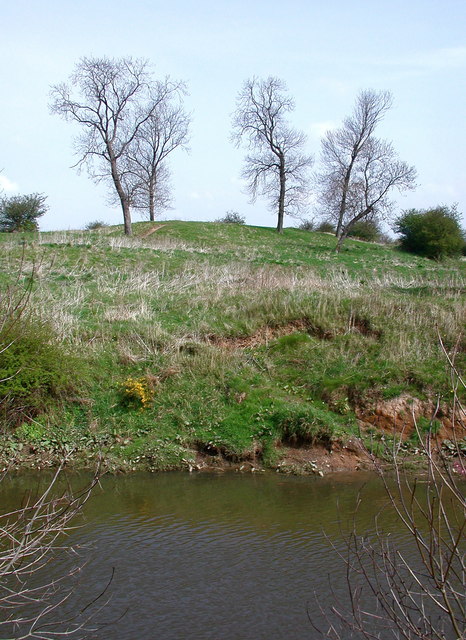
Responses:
[326,52]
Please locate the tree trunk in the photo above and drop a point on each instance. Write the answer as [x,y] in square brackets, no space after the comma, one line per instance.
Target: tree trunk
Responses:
[152,199]
[281,196]
[122,195]
[347,228]
[339,225]
[126,217]
[341,213]
[341,238]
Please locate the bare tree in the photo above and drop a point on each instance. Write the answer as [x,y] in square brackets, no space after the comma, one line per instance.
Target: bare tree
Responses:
[154,194]
[165,130]
[114,101]
[276,167]
[417,594]
[359,170]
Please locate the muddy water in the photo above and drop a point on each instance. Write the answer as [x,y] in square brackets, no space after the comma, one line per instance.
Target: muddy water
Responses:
[213,556]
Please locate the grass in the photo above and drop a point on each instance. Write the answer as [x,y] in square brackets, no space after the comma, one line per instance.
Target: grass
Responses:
[248,339]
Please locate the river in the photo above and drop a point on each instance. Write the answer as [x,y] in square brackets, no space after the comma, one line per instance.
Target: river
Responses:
[213,556]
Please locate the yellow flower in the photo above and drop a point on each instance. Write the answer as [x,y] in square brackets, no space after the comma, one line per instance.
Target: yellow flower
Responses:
[137,391]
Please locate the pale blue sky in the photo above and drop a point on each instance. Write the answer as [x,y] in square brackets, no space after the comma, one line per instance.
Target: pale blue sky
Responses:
[325,51]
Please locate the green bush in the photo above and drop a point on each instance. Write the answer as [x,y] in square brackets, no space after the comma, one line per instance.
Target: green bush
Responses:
[434,233]
[20,213]
[232,217]
[36,373]
[326,227]
[95,225]
[365,230]
[307,225]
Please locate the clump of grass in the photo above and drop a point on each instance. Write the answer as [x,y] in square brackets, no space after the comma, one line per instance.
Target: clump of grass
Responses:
[301,423]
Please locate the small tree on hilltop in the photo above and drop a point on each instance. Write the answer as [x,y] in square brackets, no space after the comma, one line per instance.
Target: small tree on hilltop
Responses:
[124,116]
[276,166]
[20,213]
[307,225]
[232,217]
[359,171]
[434,233]
[326,226]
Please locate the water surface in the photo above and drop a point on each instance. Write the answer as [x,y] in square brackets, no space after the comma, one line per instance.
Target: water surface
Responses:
[211,557]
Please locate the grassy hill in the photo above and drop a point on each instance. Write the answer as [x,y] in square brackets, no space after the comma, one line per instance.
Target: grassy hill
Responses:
[217,339]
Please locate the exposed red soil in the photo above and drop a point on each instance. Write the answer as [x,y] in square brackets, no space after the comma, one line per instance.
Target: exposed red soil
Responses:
[266,333]
[316,459]
[260,337]
[320,460]
[402,414]
[151,230]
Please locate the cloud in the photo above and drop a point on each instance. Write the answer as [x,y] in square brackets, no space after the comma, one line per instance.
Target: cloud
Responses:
[7,185]
[204,195]
[438,59]
[441,59]
[319,129]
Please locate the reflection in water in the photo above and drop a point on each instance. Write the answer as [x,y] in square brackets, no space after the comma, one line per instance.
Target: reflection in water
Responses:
[215,556]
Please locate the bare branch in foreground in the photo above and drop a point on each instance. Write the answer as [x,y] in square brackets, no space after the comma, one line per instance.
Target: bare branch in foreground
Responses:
[31,538]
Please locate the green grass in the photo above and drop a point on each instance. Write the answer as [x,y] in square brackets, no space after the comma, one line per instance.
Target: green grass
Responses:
[249,338]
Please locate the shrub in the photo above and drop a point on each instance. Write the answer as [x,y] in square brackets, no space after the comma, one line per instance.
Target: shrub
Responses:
[326,227]
[95,224]
[137,393]
[306,225]
[232,217]
[434,233]
[35,371]
[20,213]
[365,230]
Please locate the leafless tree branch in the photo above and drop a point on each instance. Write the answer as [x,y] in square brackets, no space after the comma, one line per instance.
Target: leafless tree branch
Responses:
[30,538]
[277,168]
[360,171]
[117,107]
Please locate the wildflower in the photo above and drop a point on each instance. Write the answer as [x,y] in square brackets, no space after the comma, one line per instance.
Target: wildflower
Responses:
[136,391]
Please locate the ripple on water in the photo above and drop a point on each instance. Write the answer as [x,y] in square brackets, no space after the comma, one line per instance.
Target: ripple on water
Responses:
[208,558]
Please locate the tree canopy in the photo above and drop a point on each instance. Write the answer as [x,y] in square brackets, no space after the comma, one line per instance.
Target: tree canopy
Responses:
[276,166]
[20,213]
[359,171]
[434,233]
[118,105]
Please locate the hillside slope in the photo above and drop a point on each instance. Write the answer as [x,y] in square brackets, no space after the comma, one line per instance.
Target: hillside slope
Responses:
[192,344]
